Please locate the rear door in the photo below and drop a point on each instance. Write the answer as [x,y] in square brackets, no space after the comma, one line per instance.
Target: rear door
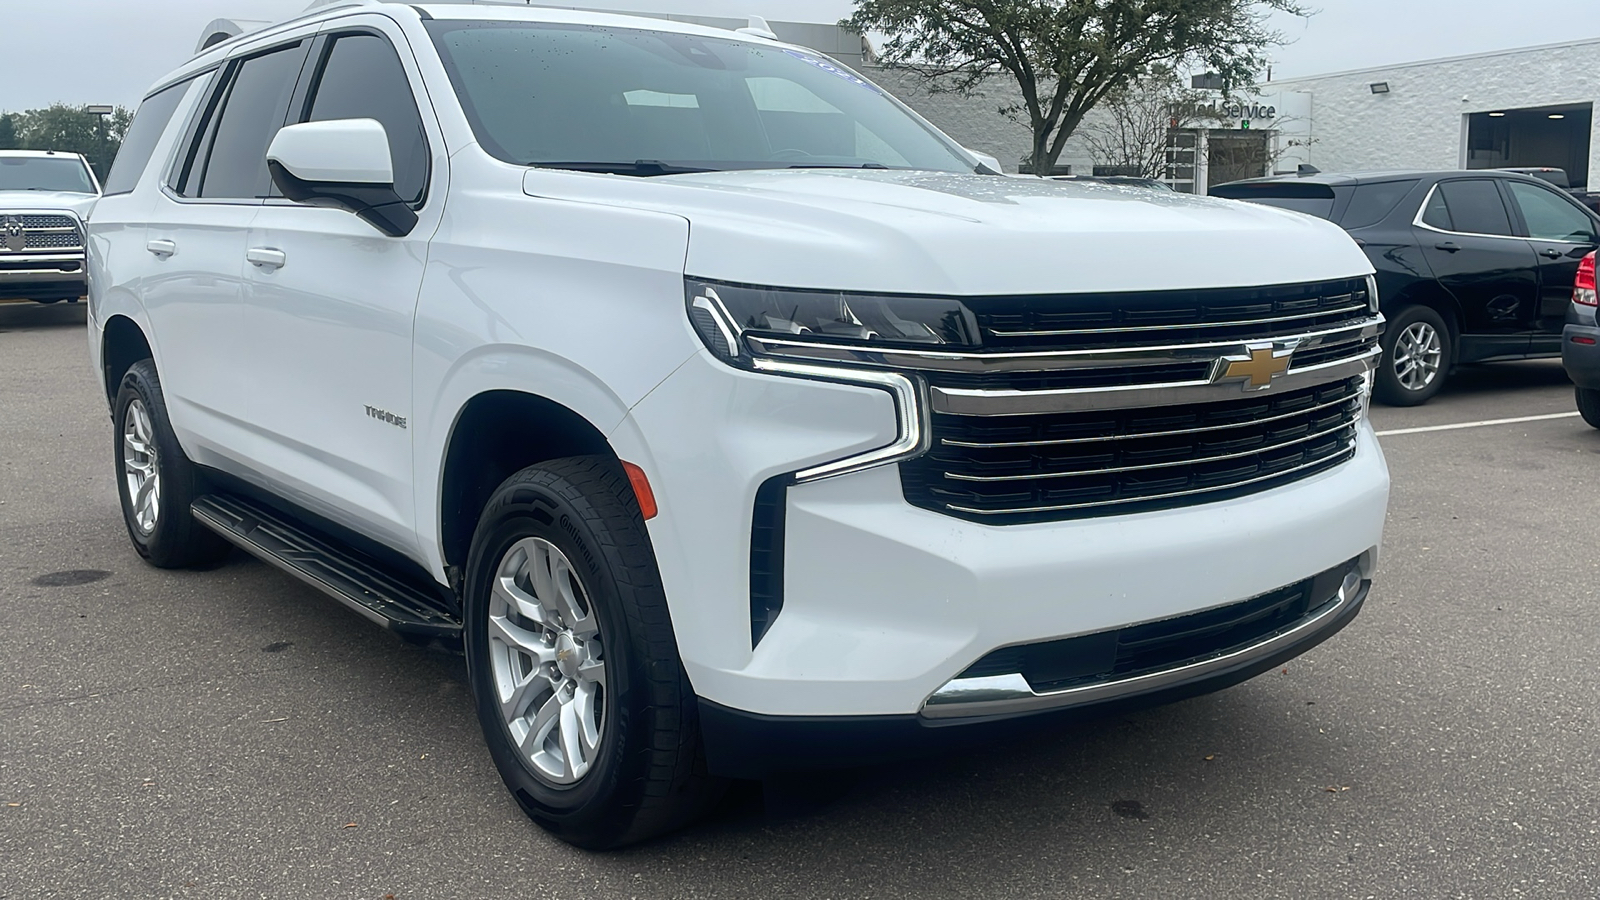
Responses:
[1561,234]
[330,313]
[196,237]
[1467,237]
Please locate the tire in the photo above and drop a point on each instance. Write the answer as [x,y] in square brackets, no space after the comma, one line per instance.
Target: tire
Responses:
[1412,374]
[634,733]
[1589,405]
[164,532]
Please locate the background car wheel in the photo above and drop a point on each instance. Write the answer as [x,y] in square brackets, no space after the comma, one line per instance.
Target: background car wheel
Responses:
[1589,405]
[1417,355]
[574,666]
[156,482]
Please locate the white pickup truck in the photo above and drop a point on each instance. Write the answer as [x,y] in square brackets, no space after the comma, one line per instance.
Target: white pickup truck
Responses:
[729,416]
[44,197]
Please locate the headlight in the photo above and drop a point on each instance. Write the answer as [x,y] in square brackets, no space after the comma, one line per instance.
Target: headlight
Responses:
[724,314]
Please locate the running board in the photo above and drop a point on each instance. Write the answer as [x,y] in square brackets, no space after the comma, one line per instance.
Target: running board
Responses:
[400,604]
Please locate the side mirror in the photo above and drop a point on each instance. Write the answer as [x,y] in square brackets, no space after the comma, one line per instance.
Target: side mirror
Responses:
[989,162]
[344,164]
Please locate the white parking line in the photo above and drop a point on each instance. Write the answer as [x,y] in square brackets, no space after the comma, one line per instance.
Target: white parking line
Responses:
[1485,423]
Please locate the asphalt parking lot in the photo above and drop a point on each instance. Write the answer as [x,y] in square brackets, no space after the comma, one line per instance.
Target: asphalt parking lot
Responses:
[230,733]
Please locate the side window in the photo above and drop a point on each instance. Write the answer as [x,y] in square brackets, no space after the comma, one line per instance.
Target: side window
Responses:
[362,78]
[1372,203]
[149,123]
[1550,216]
[1436,214]
[1476,207]
[231,159]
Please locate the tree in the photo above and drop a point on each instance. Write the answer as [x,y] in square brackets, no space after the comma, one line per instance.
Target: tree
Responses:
[8,132]
[1067,56]
[1137,120]
[71,129]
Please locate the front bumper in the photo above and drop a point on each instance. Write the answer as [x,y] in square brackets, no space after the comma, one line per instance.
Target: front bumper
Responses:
[57,276]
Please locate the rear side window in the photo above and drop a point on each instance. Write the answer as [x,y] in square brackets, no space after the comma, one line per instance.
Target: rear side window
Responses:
[1475,207]
[154,115]
[1315,199]
[233,161]
[362,78]
[1372,203]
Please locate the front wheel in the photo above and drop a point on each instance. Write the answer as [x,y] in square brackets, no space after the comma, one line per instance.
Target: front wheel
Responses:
[583,701]
[1417,356]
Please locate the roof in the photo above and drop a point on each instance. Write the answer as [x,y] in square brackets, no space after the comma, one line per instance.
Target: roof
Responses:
[1349,178]
[40,153]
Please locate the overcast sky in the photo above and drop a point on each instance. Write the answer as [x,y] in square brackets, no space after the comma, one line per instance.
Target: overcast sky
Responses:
[109,51]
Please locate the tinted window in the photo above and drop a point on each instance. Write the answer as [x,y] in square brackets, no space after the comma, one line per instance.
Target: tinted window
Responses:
[1476,207]
[155,113]
[251,115]
[1372,203]
[45,173]
[548,94]
[1550,216]
[363,79]
[1315,199]
[1436,214]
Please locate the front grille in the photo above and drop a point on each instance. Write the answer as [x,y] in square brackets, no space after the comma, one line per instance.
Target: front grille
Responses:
[53,240]
[1003,470]
[37,220]
[1091,321]
[1168,644]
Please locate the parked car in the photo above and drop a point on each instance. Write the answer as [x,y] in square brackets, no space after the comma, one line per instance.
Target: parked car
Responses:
[725,413]
[44,197]
[1472,266]
[1580,343]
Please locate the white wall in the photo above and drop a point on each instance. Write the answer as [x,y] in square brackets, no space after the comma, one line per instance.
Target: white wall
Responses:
[1421,122]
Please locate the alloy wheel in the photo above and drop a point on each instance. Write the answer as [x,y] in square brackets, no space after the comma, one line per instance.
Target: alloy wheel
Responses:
[1417,355]
[547,661]
[141,467]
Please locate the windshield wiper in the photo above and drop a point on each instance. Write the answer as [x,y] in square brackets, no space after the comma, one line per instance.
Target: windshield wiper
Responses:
[644,167]
[870,165]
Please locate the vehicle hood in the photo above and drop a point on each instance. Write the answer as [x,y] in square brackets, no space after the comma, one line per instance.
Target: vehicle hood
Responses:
[943,233]
[47,200]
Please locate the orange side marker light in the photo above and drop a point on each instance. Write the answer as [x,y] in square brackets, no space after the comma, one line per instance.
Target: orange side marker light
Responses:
[641,490]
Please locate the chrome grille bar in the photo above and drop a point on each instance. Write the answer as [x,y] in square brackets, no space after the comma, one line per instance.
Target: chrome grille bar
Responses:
[1241,323]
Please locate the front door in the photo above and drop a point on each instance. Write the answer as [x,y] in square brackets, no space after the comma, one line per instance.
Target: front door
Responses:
[330,304]
[1466,235]
[1561,233]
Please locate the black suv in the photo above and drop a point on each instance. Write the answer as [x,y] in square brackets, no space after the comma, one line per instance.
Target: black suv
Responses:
[1472,266]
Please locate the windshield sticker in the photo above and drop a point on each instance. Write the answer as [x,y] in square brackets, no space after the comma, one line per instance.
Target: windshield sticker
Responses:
[832,69]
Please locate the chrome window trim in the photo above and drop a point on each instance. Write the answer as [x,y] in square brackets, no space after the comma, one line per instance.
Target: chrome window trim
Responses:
[910,400]
[1050,360]
[1421,210]
[981,402]
[1009,694]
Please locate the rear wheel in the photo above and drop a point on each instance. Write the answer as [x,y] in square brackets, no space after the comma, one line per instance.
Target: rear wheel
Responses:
[583,701]
[1417,356]
[155,481]
[1589,406]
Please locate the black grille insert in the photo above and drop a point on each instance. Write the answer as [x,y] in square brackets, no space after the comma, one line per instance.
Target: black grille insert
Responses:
[1011,469]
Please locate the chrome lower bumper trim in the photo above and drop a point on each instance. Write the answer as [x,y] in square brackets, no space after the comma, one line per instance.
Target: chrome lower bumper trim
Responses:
[998,695]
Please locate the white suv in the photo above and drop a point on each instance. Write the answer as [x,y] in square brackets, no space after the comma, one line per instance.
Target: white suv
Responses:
[730,416]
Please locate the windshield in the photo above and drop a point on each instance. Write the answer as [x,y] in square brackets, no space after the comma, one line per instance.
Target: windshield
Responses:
[44,173]
[657,103]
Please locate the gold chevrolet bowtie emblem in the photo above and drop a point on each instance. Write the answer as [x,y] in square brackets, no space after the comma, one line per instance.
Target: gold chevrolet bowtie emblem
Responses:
[1263,365]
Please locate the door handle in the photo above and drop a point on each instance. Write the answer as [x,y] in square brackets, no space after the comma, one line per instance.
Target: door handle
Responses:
[162,249]
[1549,253]
[1449,247]
[266,257]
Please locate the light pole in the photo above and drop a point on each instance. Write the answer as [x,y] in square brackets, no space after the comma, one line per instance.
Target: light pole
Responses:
[100,112]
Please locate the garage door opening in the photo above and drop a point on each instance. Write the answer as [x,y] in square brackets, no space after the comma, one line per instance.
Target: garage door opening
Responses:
[1556,136]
